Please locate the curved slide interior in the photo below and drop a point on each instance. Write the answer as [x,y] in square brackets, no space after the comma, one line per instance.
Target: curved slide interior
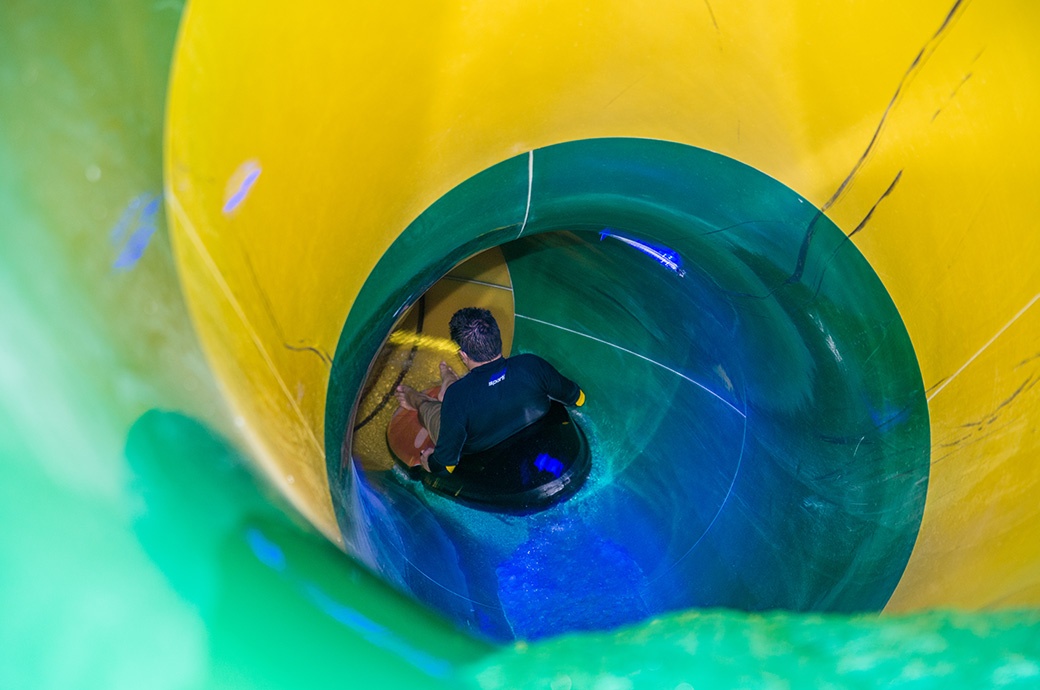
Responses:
[788,253]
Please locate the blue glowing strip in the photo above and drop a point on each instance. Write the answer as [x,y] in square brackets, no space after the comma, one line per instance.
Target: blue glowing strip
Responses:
[269,553]
[118,233]
[642,357]
[266,551]
[664,256]
[243,189]
[378,635]
[134,248]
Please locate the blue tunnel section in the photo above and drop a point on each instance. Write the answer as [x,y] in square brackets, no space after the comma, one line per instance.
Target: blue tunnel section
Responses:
[756,416]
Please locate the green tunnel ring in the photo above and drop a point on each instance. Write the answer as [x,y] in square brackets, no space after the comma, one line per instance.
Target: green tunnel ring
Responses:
[624,182]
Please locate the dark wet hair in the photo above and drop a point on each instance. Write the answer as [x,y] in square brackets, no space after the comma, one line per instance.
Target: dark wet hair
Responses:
[476,332]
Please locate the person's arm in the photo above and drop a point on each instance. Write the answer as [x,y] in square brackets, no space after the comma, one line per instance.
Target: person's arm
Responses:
[557,386]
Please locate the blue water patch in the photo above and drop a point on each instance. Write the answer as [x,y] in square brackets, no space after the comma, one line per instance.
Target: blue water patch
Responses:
[569,578]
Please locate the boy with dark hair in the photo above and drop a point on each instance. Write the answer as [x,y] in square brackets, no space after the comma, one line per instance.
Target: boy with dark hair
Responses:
[497,398]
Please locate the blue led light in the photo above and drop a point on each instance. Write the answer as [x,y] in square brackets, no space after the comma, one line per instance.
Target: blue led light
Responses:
[245,177]
[266,551]
[271,555]
[663,255]
[377,634]
[139,221]
[547,463]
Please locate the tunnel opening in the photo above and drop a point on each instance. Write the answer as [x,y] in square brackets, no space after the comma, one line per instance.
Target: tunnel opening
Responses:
[419,341]
[756,414]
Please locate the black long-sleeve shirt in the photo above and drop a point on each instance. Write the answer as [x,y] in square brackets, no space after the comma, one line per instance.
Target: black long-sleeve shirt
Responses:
[496,400]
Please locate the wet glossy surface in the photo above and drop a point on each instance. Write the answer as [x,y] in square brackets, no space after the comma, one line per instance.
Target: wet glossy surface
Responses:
[755,413]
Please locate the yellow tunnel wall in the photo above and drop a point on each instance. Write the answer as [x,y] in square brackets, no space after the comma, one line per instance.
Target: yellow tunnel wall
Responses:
[912,126]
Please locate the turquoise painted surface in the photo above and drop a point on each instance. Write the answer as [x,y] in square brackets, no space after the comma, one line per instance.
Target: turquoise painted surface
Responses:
[136,549]
[754,402]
